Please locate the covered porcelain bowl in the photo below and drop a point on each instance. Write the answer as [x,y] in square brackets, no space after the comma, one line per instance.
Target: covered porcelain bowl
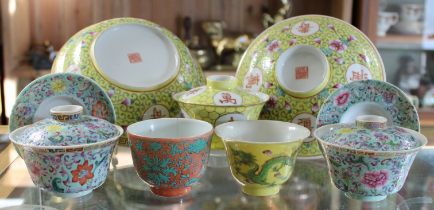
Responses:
[220,101]
[66,127]
[69,154]
[370,159]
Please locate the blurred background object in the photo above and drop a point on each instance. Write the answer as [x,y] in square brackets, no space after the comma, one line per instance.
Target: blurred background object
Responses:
[283,13]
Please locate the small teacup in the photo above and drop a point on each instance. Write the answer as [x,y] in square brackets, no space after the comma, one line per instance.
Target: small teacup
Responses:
[411,12]
[261,153]
[385,20]
[170,154]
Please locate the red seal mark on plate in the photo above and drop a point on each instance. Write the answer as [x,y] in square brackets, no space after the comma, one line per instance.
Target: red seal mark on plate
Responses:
[134,57]
[301,72]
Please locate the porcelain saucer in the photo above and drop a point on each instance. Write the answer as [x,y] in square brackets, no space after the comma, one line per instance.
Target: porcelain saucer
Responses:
[37,98]
[369,97]
[298,62]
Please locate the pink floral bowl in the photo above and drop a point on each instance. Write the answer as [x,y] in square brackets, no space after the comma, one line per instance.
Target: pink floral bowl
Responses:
[365,172]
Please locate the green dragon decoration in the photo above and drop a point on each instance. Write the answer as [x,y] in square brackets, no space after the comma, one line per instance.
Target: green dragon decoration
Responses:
[256,174]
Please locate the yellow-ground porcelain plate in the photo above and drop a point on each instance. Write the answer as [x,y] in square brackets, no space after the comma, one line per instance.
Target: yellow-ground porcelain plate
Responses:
[138,63]
[300,61]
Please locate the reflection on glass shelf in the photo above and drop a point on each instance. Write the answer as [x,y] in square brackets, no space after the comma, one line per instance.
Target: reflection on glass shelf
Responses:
[413,42]
[308,188]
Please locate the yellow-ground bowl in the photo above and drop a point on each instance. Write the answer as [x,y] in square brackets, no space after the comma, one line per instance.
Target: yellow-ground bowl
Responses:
[261,153]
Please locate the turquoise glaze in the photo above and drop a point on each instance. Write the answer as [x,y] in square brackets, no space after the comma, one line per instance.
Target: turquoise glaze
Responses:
[371,160]
[372,135]
[65,129]
[70,154]
[60,89]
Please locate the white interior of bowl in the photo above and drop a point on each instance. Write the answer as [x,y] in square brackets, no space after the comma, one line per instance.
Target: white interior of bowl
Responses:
[261,131]
[365,108]
[301,69]
[43,110]
[136,56]
[170,128]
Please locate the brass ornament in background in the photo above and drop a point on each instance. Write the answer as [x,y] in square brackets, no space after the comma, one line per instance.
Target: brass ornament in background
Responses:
[222,42]
[283,12]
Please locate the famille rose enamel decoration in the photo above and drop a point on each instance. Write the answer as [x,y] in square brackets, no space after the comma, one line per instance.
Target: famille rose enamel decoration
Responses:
[220,101]
[138,63]
[298,62]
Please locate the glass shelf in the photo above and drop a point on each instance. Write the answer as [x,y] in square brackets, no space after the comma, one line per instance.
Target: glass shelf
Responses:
[308,188]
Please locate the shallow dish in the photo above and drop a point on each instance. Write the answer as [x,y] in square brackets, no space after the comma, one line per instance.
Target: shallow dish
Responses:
[369,160]
[220,101]
[298,62]
[170,154]
[69,154]
[37,98]
[261,153]
[369,97]
[138,63]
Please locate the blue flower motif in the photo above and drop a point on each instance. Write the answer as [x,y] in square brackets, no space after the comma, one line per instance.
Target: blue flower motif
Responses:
[174,149]
[191,181]
[139,146]
[155,146]
[158,170]
[197,146]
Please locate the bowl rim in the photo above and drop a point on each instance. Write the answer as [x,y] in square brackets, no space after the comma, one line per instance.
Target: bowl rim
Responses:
[172,139]
[421,138]
[68,147]
[262,96]
[291,140]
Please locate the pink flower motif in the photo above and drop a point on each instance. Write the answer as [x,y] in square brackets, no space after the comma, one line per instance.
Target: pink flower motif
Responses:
[110,92]
[315,107]
[272,103]
[35,169]
[351,38]
[337,46]
[268,85]
[287,106]
[292,42]
[374,179]
[126,102]
[381,136]
[273,46]
[337,85]
[339,60]
[286,28]
[317,40]
[342,98]
[388,97]
[364,58]
[332,27]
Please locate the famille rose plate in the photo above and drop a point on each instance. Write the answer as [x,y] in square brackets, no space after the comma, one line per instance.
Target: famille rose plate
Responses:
[138,63]
[369,97]
[38,97]
[300,61]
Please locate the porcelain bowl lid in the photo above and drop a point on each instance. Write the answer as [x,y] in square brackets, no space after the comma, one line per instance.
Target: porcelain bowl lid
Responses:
[370,132]
[221,90]
[66,127]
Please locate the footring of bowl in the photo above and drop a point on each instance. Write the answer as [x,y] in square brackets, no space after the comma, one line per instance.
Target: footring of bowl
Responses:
[171,192]
[366,198]
[260,191]
[73,195]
